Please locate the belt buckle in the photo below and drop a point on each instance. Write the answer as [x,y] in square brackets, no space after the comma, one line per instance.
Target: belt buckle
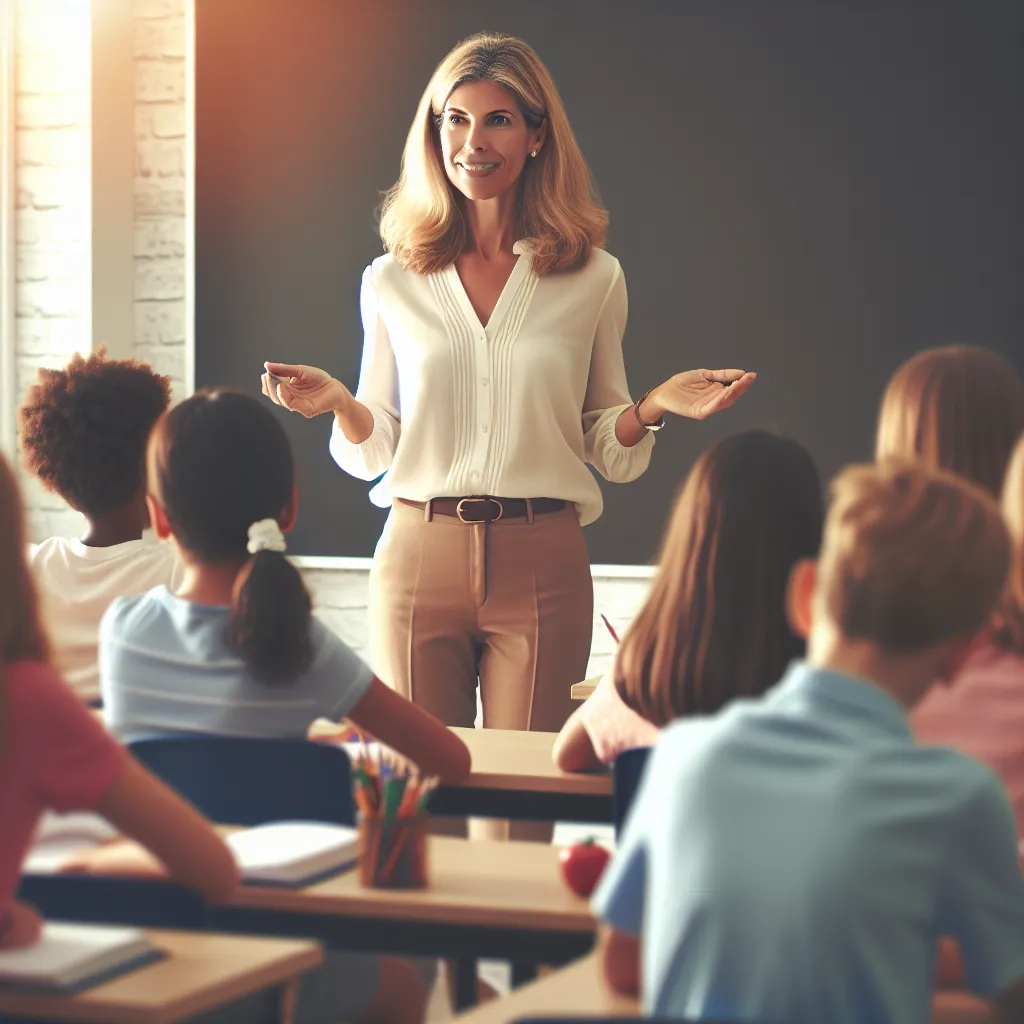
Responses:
[479,501]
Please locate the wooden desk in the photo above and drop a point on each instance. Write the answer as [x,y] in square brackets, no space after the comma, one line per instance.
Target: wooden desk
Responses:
[581,691]
[505,901]
[578,989]
[514,776]
[200,972]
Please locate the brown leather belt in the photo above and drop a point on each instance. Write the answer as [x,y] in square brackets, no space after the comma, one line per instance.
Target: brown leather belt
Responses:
[487,509]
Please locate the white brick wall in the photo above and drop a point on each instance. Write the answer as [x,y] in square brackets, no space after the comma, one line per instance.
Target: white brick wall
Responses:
[53,244]
[160,186]
[53,227]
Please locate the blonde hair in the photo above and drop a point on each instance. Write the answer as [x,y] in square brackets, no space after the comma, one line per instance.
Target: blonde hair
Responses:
[21,629]
[750,509]
[422,221]
[911,556]
[1009,633]
[959,408]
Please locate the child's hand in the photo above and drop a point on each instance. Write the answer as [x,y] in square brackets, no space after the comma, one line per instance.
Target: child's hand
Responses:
[20,926]
[118,857]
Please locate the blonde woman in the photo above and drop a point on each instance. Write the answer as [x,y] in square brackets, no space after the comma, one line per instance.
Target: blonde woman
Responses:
[492,372]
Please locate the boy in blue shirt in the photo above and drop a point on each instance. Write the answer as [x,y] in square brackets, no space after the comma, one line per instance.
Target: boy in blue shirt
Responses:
[797,858]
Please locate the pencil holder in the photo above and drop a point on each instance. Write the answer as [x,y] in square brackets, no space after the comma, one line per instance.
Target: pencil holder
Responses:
[393,852]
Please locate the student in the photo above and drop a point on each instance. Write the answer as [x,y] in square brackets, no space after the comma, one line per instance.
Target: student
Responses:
[982,712]
[797,857]
[751,507]
[55,755]
[236,652]
[83,435]
[959,408]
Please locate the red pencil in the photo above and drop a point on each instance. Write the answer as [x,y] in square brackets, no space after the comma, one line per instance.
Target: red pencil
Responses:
[608,625]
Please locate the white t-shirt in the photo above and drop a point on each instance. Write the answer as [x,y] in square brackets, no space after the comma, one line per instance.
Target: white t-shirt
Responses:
[76,585]
[515,408]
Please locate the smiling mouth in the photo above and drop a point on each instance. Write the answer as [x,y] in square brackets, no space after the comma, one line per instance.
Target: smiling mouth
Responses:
[477,168]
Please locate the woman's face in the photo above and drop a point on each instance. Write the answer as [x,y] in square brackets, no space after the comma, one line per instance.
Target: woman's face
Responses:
[485,140]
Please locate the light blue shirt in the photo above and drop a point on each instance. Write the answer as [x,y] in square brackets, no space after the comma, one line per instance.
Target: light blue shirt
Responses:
[797,858]
[165,668]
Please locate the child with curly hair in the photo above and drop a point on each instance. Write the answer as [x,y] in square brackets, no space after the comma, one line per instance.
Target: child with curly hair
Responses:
[84,430]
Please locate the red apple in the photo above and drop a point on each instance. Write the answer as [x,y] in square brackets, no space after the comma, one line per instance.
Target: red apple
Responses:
[582,866]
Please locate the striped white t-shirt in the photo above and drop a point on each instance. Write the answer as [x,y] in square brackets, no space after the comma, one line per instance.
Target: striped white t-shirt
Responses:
[166,668]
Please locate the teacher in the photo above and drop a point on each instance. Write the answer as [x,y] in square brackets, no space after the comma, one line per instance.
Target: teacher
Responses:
[492,371]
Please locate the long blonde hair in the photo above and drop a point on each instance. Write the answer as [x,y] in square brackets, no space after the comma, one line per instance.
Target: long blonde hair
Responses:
[21,629]
[1009,633]
[714,624]
[959,408]
[422,221]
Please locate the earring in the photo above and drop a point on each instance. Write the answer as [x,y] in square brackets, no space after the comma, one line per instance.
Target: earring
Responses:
[534,153]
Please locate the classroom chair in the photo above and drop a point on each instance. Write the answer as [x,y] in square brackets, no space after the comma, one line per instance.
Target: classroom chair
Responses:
[143,902]
[254,781]
[621,1020]
[627,772]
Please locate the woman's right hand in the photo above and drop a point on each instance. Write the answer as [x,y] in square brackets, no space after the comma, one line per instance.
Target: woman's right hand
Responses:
[306,390]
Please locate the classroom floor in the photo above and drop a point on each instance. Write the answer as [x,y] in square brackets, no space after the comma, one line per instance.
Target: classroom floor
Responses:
[494,973]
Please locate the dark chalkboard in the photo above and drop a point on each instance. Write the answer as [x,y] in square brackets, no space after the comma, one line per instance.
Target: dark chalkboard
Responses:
[813,190]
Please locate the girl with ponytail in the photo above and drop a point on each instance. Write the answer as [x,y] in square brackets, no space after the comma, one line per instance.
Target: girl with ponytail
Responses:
[235,650]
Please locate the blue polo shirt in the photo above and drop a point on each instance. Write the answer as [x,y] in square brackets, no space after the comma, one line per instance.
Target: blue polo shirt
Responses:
[797,858]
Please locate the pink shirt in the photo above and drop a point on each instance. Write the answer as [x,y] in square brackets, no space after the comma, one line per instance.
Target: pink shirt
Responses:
[982,715]
[612,725]
[60,758]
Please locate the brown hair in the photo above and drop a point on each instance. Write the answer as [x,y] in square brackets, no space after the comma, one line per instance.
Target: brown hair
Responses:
[714,625]
[422,223]
[959,408]
[219,462]
[83,429]
[911,557]
[1009,633]
[21,628]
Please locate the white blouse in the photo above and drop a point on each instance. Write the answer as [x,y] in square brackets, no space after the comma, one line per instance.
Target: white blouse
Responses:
[514,408]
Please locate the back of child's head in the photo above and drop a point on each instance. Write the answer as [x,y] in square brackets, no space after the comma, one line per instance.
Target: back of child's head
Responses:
[1009,633]
[84,430]
[714,626]
[219,463]
[21,630]
[959,408]
[912,557]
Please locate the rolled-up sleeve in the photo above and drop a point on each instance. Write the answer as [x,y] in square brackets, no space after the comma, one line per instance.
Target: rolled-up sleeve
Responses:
[378,391]
[608,395]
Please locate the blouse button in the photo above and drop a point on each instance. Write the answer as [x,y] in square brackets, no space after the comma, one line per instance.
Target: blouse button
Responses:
[484,428]
[484,381]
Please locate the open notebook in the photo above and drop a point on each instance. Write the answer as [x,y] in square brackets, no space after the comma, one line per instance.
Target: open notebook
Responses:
[72,957]
[288,853]
[294,853]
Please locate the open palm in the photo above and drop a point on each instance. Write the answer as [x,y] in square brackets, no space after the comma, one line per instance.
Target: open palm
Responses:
[697,394]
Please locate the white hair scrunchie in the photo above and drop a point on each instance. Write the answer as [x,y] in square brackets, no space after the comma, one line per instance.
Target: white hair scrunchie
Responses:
[266,535]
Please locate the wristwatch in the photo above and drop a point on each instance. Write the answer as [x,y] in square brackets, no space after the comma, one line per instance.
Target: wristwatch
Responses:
[658,424]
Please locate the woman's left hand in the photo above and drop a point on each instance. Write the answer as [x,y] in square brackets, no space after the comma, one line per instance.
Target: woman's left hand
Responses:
[697,394]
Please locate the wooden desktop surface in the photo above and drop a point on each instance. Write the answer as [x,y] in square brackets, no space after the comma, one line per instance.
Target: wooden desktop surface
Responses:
[577,989]
[471,883]
[505,759]
[201,971]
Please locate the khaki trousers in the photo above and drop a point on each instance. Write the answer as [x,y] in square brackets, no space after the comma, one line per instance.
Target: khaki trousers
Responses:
[506,604]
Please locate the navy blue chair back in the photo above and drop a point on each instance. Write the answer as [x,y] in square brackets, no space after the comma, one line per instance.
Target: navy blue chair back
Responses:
[146,903]
[620,1020]
[628,768]
[253,781]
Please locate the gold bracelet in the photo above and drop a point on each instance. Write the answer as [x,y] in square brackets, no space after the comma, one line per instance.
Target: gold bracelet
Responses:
[658,424]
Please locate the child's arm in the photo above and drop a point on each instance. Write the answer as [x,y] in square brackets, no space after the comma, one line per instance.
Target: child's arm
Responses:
[143,808]
[20,926]
[412,733]
[620,961]
[573,750]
